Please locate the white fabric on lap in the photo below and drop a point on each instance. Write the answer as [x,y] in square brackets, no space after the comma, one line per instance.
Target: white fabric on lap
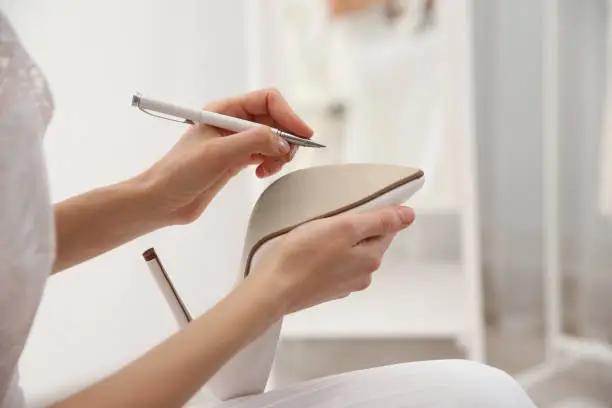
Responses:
[427,384]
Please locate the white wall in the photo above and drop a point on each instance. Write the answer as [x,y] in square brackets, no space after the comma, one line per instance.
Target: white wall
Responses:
[95,54]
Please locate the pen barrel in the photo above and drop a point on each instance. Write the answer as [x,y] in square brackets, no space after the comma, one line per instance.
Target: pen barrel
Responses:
[197,115]
[189,115]
[225,122]
[148,104]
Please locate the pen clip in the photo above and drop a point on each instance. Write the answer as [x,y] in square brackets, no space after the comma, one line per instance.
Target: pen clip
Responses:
[136,103]
[167,117]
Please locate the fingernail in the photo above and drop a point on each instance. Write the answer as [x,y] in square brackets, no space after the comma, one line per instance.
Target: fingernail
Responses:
[406,215]
[283,145]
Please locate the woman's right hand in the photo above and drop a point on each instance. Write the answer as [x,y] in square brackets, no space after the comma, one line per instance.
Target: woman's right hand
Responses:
[316,262]
[329,258]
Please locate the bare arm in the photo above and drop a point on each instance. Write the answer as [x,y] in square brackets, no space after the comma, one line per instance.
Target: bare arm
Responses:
[176,190]
[170,374]
[100,220]
[289,278]
[179,187]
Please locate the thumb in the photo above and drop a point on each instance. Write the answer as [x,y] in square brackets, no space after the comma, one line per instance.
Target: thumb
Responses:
[242,146]
[383,221]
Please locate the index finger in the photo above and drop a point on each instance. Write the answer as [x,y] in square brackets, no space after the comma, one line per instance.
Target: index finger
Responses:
[267,103]
[380,222]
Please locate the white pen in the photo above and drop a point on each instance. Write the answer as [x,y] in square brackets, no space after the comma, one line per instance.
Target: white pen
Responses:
[191,116]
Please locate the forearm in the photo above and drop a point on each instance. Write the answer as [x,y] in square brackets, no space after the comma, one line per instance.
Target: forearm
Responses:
[169,375]
[100,220]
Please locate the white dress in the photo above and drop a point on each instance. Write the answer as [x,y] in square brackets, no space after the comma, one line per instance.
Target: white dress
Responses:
[26,227]
[606,139]
[424,384]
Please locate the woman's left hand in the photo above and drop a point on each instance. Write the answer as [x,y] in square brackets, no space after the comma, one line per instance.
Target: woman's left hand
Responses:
[188,177]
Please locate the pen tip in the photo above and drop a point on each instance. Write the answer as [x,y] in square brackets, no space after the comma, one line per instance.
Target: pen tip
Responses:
[317,145]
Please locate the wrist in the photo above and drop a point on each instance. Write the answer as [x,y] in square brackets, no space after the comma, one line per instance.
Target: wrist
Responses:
[170,203]
[143,194]
[268,295]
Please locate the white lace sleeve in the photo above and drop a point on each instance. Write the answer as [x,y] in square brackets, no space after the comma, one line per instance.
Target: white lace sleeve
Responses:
[26,224]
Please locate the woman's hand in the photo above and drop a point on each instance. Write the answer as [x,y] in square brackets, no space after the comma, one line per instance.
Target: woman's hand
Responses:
[328,259]
[177,188]
[188,177]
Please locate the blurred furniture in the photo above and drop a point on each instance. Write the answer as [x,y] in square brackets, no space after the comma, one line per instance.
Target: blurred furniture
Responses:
[562,350]
[409,298]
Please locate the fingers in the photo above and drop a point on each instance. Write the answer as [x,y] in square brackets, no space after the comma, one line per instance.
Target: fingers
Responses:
[370,253]
[245,146]
[270,102]
[373,250]
[262,105]
[268,107]
[383,221]
[272,166]
[269,167]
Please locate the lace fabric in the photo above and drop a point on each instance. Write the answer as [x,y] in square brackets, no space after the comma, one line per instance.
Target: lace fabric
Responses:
[26,222]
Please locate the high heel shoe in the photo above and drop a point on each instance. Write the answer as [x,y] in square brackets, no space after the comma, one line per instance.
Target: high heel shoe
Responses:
[297,198]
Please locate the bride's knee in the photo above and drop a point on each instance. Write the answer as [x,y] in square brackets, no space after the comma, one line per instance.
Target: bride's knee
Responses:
[477,385]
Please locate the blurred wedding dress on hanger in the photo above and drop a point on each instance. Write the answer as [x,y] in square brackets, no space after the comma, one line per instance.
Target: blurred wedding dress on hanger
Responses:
[393,78]
[606,137]
[373,89]
[304,76]
[289,42]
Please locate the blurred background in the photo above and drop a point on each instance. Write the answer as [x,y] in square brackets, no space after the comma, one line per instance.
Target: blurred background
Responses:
[506,106]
